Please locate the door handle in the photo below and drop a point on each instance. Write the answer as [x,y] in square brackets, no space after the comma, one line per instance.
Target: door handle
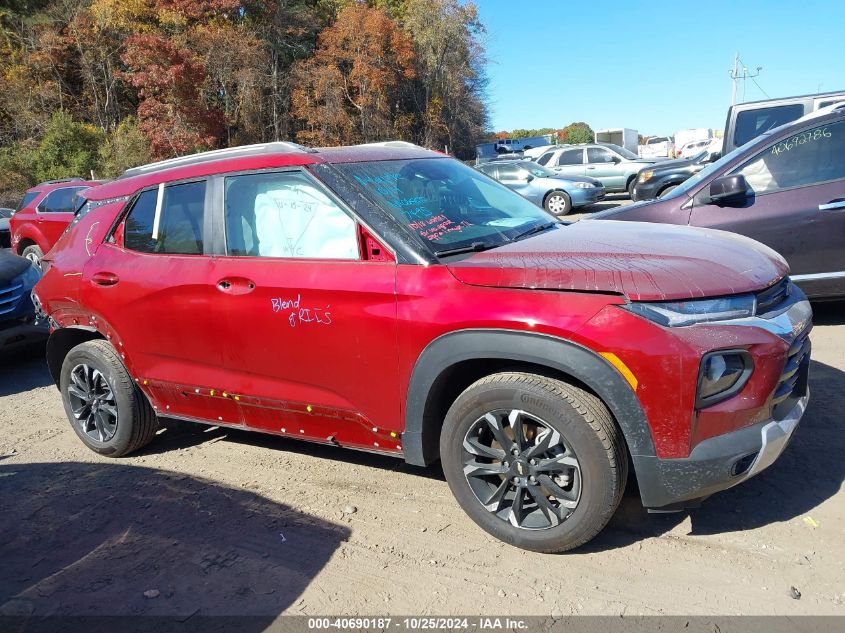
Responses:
[590,167]
[833,204]
[104,279]
[236,285]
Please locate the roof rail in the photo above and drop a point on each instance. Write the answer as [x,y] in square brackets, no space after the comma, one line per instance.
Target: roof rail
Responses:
[833,107]
[59,180]
[405,144]
[217,154]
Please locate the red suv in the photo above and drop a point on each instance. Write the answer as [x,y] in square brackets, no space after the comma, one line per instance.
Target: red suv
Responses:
[390,299]
[44,214]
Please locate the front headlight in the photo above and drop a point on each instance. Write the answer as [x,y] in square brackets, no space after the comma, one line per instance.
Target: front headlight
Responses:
[584,185]
[646,175]
[679,313]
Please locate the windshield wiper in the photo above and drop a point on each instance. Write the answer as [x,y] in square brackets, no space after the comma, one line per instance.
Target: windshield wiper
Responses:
[472,248]
[535,229]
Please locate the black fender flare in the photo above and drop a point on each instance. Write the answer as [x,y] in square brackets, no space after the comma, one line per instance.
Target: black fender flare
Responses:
[420,440]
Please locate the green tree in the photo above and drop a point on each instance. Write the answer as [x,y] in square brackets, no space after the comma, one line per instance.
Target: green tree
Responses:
[68,149]
[576,133]
[124,148]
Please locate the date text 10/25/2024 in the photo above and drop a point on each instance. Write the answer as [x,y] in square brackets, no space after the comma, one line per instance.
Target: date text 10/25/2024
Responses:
[418,623]
[299,314]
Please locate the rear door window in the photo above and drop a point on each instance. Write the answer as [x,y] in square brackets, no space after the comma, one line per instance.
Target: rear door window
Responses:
[752,123]
[61,200]
[571,157]
[167,220]
[806,158]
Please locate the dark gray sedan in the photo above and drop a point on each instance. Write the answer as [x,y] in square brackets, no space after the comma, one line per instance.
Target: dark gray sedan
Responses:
[555,193]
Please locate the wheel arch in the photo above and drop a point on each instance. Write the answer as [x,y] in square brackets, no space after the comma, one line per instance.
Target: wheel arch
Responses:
[453,361]
[61,341]
[23,243]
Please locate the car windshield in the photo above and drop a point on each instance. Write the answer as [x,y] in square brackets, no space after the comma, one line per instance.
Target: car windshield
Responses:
[447,204]
[692,181]
[626,153]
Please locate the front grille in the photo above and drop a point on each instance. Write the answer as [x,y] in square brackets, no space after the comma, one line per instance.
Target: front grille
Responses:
[792,383]
[772,297]
[9,297]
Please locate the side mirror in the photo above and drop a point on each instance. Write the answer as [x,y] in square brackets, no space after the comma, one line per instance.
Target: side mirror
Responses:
[529,178]
[728,190]
[713,157]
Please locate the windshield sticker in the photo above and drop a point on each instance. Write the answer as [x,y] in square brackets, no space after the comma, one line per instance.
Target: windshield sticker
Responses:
[800,139]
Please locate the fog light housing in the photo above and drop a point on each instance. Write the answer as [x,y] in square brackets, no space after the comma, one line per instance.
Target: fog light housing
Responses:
[722,375]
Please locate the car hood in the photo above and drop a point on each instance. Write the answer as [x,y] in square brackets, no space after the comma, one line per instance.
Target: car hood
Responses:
[643,261]
[675,163]
[11,266]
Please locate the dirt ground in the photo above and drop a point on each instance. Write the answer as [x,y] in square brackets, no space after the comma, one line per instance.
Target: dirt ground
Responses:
[211,521]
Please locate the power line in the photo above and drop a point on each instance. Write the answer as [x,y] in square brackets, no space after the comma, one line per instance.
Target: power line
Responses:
[766,94]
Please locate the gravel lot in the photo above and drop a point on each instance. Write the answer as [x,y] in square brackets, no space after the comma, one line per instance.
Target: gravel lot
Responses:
[213,521]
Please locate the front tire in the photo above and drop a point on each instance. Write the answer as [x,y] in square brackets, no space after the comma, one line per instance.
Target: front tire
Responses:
[630,188]
[534,461]
[106,409]
[558,203]
[33,253]
[667,190]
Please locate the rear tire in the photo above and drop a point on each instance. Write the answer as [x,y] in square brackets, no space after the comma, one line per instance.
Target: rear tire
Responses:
[558,203]
[105,407]
[33,253]
[554,500]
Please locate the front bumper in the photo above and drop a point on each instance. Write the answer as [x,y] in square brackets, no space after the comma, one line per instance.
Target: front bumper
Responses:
[646,190]
[583,197]
[716,464]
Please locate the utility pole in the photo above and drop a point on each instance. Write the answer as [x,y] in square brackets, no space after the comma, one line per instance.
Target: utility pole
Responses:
[745,75]
[733,77]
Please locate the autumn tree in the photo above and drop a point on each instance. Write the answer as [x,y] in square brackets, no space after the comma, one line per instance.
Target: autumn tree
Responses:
[354,88]
[168,78]
[449,93]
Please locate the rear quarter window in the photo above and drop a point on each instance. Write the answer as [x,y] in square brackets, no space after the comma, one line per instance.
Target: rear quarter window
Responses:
[28,197]
[752,123]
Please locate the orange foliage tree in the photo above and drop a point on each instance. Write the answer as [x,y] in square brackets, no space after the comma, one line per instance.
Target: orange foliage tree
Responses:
[355,87]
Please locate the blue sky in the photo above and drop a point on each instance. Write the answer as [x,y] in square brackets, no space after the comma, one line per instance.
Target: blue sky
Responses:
[657,66]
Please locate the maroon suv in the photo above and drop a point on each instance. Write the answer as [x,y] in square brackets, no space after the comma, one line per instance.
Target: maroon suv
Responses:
[785,188]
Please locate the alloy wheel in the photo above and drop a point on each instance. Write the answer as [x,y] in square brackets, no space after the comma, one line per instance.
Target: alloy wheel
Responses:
[521,469]
[93,403]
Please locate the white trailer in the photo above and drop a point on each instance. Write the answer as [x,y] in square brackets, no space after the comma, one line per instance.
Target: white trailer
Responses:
[621,136]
